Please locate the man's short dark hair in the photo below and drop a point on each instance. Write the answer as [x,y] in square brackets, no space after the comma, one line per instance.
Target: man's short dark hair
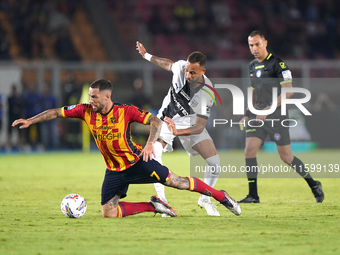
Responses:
[101,84]
[197,57]
[257,32]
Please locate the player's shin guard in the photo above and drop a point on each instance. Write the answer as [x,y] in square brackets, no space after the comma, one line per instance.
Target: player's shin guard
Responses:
[127,208]
[197,185]
[158,186]
[252,170]
[299,167]
[212,173]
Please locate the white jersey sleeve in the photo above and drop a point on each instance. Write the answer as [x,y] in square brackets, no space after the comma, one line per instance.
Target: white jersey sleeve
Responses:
[178,77]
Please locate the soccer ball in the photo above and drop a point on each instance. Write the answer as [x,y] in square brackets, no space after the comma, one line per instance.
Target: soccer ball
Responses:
[73,206]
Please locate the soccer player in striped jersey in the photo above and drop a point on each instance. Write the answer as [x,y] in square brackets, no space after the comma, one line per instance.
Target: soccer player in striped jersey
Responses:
[126,161]
[184,116]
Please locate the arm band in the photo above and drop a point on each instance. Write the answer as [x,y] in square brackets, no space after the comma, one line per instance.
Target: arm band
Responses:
[247,113]
[147,56]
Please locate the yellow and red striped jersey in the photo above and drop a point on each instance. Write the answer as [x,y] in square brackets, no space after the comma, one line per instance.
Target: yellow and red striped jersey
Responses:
[112,132]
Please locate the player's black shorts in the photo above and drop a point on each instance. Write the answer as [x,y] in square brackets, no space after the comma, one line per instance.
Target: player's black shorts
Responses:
[140,173]
[272,127]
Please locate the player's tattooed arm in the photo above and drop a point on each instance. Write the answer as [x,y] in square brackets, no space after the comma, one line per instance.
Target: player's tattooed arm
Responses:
[162,62]
[155,128]
[46,116]
[41,117]
[177,182]
[148,151]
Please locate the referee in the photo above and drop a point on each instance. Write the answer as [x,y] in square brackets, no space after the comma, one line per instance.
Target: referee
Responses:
[266,72]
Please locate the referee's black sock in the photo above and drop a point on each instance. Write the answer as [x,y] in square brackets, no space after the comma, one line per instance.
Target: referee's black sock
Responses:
[301,170]
[252,170]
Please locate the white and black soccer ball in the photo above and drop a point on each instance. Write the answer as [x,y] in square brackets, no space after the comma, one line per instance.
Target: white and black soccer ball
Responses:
[73,206]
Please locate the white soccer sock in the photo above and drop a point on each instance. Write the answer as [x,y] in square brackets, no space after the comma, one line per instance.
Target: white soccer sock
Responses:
[210,178]
[158,186]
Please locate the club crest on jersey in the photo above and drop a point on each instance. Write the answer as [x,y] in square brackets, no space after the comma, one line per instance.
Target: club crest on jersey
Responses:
[258,73]
[194,101]
[113,120]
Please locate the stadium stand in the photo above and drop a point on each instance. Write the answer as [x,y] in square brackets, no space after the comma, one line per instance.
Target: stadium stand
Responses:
[49,30]
[85,39]
[220,28]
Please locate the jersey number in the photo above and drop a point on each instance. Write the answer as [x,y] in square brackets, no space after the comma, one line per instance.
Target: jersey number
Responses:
[155,174]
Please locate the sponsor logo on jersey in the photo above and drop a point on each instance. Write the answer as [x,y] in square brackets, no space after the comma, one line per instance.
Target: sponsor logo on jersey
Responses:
[185,95]
[105,128]
[112,136]
[177,104]
[287,75]
[258,73]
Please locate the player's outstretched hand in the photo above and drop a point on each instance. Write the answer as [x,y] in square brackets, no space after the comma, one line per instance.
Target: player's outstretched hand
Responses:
[24,123]
[147,152]
[171,125]
[141,49]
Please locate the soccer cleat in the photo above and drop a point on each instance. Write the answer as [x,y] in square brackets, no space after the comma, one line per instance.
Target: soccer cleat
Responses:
[318,193]
[249,199]
[163,199]
[208,206]
[161,207]
[231,204]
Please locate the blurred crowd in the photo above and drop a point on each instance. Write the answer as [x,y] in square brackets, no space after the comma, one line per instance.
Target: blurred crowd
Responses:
[296,29]
[299,29]
[38,29]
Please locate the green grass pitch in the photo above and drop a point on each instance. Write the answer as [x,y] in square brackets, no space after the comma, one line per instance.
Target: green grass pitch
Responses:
[287,221]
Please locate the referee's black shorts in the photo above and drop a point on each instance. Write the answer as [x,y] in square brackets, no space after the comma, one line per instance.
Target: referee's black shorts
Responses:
[140,173]
[276,131]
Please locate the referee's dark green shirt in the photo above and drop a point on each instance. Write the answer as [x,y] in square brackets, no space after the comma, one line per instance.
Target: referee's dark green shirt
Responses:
[271,72]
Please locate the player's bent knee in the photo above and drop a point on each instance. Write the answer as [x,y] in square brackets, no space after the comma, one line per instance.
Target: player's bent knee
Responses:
[112,213]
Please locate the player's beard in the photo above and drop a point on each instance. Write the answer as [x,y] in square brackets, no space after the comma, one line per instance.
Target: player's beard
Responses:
[98,108]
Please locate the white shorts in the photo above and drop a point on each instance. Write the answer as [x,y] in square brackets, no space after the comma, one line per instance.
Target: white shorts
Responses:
[187,141]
